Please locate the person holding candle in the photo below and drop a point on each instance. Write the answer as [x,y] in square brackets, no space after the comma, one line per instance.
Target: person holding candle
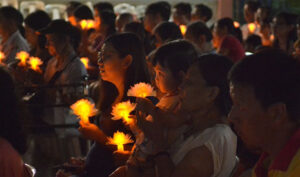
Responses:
[182,13]
[122,64]
[12,40]
[250,8]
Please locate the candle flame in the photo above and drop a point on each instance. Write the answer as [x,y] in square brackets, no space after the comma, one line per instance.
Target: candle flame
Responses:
[2,56]
[35,63]
[182,29]
[120,139]
[236,24]
[22,56]
[141,90]
[87,24]
[85,61]
[84,109]
[122,111]
[251,27]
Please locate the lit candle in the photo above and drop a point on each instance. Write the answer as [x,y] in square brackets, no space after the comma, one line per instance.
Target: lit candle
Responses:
[85,61]
[251,27]
[120,139]
[236,24]
[84,109]
[35,63]
[141,90]
[83,24]
[87,24]
[182,29]
[22,56]
[90,24]
[122,111]
[2,57]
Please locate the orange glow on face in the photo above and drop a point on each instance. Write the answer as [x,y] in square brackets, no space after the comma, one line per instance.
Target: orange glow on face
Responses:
[141,90]
[22,56]
[84,109]
[2,56]
[182,29]
[236,24]
[122,111]
[85,61]
[35,63]
[251,27]
[87,24]
[120,139]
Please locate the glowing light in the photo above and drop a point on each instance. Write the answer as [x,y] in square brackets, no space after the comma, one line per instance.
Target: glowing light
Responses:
[272,37]
[182,29]
[85,61]
[22,56]
[120,139]
[236,24]
[84,109]
[87,24]
[2,56]
[251,27]
[141,90]
[122,111]
[35,63]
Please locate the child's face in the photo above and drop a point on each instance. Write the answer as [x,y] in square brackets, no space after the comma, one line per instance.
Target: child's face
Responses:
[165,80]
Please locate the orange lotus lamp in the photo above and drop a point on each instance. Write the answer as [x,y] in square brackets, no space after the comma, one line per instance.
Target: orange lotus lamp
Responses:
[182,29]
[84,109]
[120,139]
[122,111]
[22,56]
[35,64]
[141,90]
[85,61]
[87,24]
[251,27]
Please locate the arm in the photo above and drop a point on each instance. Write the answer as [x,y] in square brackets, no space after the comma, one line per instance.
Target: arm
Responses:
[197,163]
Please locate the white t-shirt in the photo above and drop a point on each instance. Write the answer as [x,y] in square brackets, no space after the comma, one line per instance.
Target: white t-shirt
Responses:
[221,142]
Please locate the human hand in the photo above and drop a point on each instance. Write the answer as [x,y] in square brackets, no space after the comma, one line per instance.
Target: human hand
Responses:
[90,131]
[62,173]
[144,105]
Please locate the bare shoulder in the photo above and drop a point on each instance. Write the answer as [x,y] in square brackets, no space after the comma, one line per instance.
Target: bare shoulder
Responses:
[197,162]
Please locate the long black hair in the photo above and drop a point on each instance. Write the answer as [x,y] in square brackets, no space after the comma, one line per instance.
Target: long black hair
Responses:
[11,113]
[125,44]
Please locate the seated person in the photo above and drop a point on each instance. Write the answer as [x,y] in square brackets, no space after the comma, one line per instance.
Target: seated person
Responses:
[264,88]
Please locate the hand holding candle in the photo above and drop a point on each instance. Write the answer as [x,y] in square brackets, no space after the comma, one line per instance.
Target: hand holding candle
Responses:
[22,56]
[84,109]
[122,111]
[120,139]
[35,63]
[141,90]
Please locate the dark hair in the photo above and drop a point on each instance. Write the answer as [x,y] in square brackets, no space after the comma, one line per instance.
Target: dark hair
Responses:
[228,24]
[253,41]
[274,77]
[138,29]
[253,5]
[125,44]
[161,8]
[71,6]
[214,69]
[83,12]
[198,28]
[183,8]
[10,119]
[108,18]
[204,11]
[290,19]
[168,31]
[38,20]
[11,15]
[176,55]
[101,6]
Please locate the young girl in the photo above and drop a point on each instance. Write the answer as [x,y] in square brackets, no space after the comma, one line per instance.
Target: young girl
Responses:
[168,68]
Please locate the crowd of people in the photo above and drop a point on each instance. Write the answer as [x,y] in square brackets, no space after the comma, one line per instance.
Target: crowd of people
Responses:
[227,100]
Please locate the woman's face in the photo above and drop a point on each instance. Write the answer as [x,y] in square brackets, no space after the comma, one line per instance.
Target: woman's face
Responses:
[54,45]
[111,65]
[280,28]
[165,80]
[31,37]
[194,92]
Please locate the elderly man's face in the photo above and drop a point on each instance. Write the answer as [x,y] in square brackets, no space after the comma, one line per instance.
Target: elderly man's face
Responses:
[251,121]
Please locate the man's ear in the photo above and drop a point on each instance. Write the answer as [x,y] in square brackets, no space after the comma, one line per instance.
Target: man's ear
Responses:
[278,113]
[126,62]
